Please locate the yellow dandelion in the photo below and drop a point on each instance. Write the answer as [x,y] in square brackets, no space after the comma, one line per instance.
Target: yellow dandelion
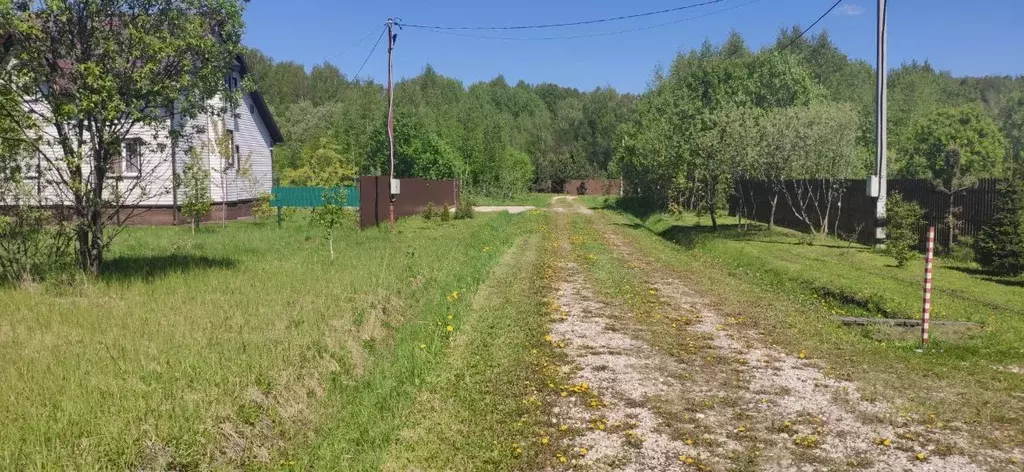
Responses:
[449,328]
[544,440]
[921,457]
[423,346]
[563,427]
[583,451]
[802,355]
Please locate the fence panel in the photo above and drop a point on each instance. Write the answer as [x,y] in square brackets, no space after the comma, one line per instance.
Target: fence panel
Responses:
[309,197]
[853,215]
[375,194]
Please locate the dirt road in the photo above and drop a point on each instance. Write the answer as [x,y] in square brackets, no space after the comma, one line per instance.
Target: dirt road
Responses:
[681,387]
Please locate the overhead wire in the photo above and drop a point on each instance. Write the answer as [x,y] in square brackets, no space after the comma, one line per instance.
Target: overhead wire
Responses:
[565,24]
[368,56]
[594,35]
[352,46]
[802,33]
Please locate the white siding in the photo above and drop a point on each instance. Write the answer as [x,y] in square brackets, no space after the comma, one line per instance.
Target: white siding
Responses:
[153,186]
[254,145]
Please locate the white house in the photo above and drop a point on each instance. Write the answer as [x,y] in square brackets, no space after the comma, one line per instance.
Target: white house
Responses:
[149,160]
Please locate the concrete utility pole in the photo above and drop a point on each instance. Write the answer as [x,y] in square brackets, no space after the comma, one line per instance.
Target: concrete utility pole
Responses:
[877,185]
[391,118]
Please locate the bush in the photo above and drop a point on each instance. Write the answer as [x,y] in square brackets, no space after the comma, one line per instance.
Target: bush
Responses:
[1000,245]
[261,209]
[34,245]
[464,210]
[446,213]
[902,232]
[429,212]
[963,250]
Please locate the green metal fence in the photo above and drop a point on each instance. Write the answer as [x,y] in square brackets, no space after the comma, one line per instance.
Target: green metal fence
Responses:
[309,197]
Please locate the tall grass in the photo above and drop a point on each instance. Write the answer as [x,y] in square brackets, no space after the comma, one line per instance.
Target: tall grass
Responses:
[238,346]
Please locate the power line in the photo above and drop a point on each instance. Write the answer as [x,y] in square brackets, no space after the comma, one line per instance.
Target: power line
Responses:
[353,45]
[802,33]
[559,25]
[593,35]
[384,30]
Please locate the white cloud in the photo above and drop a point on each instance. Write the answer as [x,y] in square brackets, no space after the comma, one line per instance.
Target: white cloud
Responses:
[850,9]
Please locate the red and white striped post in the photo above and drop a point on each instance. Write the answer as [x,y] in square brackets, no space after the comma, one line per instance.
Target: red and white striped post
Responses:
[927,310]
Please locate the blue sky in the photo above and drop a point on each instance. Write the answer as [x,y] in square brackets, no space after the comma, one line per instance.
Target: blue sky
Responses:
[965,37]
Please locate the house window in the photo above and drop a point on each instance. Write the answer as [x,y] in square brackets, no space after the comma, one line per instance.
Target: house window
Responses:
[233,158]
[30,165]
[232,82]
[129,163]
[252,109]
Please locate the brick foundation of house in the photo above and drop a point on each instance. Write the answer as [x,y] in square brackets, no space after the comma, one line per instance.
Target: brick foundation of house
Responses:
[165,215]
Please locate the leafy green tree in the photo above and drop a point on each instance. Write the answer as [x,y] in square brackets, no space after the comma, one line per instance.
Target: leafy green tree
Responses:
[114,68]
[903,232]
[195,181]
[1000,245]
[332,214]
[1012,120]
[955,147]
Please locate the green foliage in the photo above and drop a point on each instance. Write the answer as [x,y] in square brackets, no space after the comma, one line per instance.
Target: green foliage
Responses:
[332,214]
[903,232]
[34,244]
[261,209]
[128,62]
[429,212]
[324,167]
[445,214]
[1000,245]
[195,182]
[464,210]
[954,146]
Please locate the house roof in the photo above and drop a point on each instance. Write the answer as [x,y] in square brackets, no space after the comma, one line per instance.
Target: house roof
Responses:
[261,106]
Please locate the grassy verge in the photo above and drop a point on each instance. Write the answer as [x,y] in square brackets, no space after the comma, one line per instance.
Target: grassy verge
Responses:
[471,414]
[775,284]
[241,346]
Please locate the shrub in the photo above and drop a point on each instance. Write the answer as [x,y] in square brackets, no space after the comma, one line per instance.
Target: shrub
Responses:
[1000,245]
[261,209]
[464,210]
[429,212]
[446,213]
[34,244]
[963,250]
[902,234]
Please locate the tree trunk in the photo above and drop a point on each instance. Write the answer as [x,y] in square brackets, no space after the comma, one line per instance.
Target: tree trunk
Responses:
[950,222]
[330,243]
[771,217]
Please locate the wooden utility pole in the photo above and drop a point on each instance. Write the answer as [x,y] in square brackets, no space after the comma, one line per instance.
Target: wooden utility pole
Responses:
[391,118]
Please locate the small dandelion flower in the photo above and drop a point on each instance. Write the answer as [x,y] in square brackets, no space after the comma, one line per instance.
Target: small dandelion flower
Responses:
[583,451]
[449,328]
[921,457]
[802,355]
[544,440]
[423,346]
[563,427]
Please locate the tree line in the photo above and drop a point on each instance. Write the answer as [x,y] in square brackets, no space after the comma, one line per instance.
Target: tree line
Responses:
[498,139]
[800,115]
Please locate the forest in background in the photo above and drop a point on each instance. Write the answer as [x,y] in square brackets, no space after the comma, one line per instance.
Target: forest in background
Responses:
[502,139]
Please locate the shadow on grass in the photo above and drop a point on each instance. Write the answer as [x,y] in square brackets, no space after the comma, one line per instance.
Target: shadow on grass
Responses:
[989,276]
[148,268]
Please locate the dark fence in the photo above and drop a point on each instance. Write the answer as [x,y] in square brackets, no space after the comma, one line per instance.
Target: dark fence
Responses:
[375,195]
[853,215]
[593,187]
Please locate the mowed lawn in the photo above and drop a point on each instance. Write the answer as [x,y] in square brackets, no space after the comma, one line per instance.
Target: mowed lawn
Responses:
[794,293]
[246,346]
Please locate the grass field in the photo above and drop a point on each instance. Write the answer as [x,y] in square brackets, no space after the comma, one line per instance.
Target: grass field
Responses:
[794,292]
[246,346]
